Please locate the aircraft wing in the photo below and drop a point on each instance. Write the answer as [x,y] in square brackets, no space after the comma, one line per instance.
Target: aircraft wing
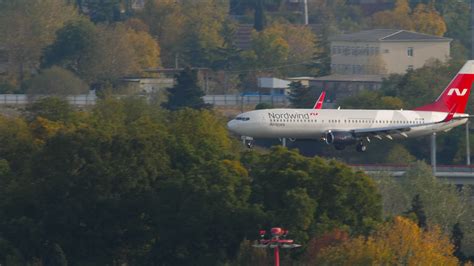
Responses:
[401,129]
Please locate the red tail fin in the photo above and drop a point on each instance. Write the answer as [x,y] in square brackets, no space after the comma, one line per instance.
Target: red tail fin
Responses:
[454,97]
[320,101]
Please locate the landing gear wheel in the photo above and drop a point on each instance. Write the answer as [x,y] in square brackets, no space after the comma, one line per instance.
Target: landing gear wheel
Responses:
[361,147]
[249,144]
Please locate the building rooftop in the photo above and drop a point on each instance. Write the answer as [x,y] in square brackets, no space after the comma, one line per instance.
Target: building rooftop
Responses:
[352,78]
[388,35]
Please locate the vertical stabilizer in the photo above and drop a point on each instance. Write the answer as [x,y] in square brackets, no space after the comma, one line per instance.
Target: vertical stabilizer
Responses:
[320,101]
[454,97]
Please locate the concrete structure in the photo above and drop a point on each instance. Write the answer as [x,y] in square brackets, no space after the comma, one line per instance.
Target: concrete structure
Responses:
[274,86]
[304,80]
[385,51]
[455,174]
[151,85]
[339,86]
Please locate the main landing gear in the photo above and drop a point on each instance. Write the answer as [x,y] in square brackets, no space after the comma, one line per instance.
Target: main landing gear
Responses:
[361,147]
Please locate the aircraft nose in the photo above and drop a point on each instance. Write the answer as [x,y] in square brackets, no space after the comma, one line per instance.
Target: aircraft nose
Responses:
[231,125]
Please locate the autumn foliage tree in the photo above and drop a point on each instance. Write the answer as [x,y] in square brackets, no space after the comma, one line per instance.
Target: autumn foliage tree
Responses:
[424,18]
[28,27]
[399,242]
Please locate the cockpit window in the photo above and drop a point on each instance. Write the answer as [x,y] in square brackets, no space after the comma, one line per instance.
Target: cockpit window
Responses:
[242,118]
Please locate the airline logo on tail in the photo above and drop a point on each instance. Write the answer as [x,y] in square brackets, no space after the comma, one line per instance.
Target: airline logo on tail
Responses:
[457,92]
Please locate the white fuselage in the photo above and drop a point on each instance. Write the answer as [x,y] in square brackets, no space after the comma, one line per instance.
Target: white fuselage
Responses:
[314,124]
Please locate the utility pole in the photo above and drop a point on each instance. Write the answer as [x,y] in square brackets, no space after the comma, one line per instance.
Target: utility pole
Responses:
[433,152]
[468,146]
[472,29]
[306,11]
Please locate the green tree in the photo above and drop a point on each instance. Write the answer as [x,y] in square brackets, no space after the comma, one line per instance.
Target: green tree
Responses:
[104,11]
[54,256]
[186,92]
[73,45]
[300,96]
[400,155]
[319,195]
[372,100]
[418,209]
[420,86]
[249,255]
[456,238]
[56,81]
[261,106]
[52,108]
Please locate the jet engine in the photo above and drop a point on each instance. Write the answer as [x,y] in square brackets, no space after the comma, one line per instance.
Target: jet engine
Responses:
[340,138]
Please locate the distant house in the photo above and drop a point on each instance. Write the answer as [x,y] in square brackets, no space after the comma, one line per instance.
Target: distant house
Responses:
[273,86]
[385,51]
[339,86]
[150,85]
[360,61]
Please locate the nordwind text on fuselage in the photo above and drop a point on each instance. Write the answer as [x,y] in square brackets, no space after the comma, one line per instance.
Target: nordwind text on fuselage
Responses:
[277,118]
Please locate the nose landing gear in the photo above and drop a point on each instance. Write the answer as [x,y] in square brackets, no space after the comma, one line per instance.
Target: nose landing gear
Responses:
[247,141]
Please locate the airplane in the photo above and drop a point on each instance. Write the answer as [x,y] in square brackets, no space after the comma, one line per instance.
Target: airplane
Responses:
[345,127]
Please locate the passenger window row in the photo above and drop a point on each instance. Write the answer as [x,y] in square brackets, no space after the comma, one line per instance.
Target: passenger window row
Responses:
[346,121]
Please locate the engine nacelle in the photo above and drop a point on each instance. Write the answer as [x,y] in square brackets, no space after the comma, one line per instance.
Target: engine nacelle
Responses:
[340,138]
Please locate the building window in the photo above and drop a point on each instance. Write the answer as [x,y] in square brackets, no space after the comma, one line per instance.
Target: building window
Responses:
[346,50]
[410,51]
[410,67]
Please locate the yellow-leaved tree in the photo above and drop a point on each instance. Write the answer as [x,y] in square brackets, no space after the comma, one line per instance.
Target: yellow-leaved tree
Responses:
[147,50]
[398,18]
[26,28]
[427,20]
[424,18]
[400,242]
[166,23]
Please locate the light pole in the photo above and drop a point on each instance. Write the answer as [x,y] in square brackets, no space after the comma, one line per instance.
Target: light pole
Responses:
[276,241]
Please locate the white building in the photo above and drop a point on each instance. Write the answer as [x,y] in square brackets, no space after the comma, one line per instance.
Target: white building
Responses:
[385,51]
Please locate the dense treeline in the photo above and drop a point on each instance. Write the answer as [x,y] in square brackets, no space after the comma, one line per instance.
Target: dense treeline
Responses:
[131,183]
